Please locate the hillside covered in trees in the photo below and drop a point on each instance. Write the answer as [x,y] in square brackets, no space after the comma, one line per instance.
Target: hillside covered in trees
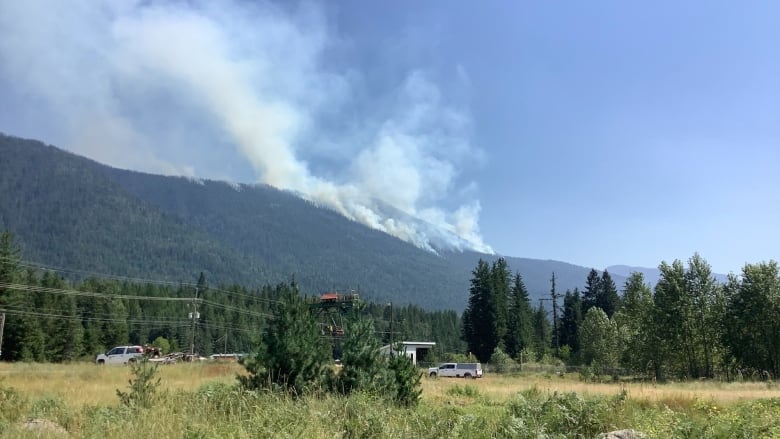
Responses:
[70,212]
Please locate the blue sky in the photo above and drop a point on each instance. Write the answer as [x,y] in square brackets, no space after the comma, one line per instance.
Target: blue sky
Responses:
[595,133]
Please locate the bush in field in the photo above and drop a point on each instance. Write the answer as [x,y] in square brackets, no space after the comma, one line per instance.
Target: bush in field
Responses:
[543,415]
[143,386]
[292,353]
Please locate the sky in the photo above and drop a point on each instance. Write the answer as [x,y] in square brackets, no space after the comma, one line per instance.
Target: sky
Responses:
[596,133]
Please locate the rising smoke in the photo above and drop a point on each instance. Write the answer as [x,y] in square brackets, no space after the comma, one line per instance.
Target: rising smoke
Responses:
[115,80]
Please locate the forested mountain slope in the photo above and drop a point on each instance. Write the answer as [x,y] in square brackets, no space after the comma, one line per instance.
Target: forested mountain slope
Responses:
[65,213]
[71,212]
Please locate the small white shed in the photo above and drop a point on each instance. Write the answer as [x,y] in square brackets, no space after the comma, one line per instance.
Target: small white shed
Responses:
[415,350]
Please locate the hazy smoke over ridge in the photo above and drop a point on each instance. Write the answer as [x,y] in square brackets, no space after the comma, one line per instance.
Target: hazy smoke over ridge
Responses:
[120,81]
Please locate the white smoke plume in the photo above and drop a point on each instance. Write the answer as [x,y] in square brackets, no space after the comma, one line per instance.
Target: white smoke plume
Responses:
[149,85]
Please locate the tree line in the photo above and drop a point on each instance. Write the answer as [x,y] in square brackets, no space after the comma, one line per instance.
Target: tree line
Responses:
[51,318]
[688,326]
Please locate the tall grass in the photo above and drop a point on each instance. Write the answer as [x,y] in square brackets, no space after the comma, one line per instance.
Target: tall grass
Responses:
[201,401]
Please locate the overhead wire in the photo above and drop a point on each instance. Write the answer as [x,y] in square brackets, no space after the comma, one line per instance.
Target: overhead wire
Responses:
[103,295]
[32,264]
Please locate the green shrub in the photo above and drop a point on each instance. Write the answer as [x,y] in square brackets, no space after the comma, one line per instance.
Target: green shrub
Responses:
[560,413]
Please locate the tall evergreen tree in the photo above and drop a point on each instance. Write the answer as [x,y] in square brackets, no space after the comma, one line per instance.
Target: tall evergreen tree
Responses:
[480,319]
[556,324]
[570,322]
[591,292]
[23,338]
[519,319]
[607,298]
[501,279]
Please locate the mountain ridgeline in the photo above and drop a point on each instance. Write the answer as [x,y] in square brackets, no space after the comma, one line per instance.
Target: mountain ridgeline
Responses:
[71,212]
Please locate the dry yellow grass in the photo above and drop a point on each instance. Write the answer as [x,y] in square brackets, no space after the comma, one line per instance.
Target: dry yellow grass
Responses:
[503,387]
[88,384]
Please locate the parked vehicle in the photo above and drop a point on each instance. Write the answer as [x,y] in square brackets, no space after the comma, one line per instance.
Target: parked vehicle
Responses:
[121,355]
[457,370]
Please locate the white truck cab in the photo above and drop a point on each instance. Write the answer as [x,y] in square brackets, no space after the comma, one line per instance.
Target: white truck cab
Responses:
[457,370]
[120,355]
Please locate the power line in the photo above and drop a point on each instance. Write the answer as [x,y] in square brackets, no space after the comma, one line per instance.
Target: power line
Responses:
[131,322]
[37,289]
[234,309]
[31,264]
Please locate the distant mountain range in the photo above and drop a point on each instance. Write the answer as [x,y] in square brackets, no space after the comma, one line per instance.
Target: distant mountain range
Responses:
[71,212]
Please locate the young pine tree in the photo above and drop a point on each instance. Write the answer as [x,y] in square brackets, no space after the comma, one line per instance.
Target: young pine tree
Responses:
[292,352]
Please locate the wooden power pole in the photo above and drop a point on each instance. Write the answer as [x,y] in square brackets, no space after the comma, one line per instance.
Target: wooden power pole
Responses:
[194,316]
[2,325]
[554,295]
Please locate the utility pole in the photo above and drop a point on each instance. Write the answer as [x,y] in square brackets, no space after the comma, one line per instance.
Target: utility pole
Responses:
[2,325]
[391,327]
[555,315]
[194,316]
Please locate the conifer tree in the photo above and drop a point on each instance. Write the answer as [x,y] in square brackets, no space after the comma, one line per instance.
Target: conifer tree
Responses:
[480,319]
[292,353]
[607,297]
[519,319]
[500,277]
[363,368]
[571,320]
[592,291]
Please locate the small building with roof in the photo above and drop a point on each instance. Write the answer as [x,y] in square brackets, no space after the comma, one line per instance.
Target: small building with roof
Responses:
[414,350]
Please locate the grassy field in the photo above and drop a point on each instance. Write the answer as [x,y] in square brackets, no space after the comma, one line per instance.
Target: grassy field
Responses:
[199,400]
[81,384]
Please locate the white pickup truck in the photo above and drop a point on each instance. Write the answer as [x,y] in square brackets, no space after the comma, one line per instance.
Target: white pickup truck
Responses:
[121,355]
[457,370]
